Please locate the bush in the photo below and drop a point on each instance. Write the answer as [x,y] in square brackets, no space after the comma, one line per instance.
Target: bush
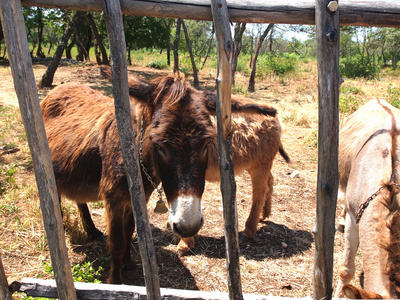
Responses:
[394,96]
[357,66]
[157,64]
[242,65]
[280,64]
[350,99]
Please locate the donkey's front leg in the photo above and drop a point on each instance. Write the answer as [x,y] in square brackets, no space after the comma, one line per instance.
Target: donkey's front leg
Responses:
[184,246]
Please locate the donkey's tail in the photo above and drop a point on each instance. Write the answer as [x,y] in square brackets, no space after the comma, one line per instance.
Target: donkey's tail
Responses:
[284,154]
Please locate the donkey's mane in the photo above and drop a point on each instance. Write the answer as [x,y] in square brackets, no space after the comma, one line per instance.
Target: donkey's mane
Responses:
[169,89]
[392,245]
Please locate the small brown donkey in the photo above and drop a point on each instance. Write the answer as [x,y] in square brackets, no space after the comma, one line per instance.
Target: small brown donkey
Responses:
[369,153]
[179,150]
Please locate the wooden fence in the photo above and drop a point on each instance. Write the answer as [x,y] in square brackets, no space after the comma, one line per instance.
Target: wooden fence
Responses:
[324,13]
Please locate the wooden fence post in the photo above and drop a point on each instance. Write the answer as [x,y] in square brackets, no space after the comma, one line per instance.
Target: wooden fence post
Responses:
[228,186]
[4,292]
[25,86]
[327,26]
[115,29]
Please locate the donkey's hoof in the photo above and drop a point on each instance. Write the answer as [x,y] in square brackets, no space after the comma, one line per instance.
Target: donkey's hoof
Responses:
[131,273]
[243,238]
[182,252]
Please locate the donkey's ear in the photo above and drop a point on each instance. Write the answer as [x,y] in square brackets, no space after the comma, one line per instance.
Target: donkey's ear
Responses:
[238,105]
[139,90]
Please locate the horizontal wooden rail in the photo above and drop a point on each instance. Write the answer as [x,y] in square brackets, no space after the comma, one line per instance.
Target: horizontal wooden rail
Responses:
[384,13]
[47,288]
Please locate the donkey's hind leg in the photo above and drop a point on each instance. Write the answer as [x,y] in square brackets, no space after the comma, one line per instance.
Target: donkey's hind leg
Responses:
[268,199]
[91,230]
[261,187]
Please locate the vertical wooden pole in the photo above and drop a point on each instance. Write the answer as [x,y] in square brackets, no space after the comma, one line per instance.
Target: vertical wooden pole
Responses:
[25,86]
[115,29]
[4,292]
[327,26]
[228,185]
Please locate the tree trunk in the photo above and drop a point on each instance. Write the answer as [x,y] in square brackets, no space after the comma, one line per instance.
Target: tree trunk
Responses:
[50,48]
[68,50]
[251,87]
[48,76]
[39,52]
[176,45]
[239,30]
[82,53]
[210,44]
[251,50]
[98,39]
[196,78]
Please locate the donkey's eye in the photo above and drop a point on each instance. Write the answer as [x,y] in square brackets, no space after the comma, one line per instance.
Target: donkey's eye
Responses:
[161,151]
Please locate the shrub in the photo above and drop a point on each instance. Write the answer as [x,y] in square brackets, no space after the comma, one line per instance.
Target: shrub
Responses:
[279,64]
[157,64]
[394,96]
[242,66]
[350,99]
[357,66]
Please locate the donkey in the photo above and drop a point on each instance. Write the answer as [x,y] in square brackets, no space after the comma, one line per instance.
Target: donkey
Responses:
[369,184]
[178,150]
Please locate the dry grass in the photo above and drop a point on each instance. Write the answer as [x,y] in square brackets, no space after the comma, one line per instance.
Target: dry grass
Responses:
[278,261]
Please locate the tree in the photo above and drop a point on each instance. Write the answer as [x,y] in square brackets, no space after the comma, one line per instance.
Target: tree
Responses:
[239,30]
[48,76]
[145,32]
[196,79]
[98,41]
[251,87]
[176,45]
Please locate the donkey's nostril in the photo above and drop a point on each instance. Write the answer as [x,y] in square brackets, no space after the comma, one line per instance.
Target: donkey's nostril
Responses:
[184,231]
[176,228]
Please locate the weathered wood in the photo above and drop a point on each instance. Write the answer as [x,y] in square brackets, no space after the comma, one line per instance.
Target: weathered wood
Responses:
[4,292]
[360,13]
[95,291]
[115,29]
[26,89]
[224,137]
[327,34]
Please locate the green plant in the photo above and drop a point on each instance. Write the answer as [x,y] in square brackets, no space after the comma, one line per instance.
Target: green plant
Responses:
[83,272]
[239,89]
[394,96]
[279,64]
[242,65]
[157,64]
[312,139]
[358,66]
[350,99]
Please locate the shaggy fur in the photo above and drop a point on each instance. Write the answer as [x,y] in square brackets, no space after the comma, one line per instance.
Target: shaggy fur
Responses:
[179,150]
[368,160]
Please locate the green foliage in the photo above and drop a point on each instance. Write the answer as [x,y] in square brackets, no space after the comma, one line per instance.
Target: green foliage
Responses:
[358,66]
[312,139]
[146,32]
[394,96]
[280,64]
[350,99]
[239,89]
[157,64]
[84,272]
[242,64]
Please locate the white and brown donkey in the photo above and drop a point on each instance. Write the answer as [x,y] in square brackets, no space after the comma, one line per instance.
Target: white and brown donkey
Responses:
[369,156]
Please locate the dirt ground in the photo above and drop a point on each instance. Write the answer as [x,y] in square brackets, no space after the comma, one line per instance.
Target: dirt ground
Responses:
[278,261]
